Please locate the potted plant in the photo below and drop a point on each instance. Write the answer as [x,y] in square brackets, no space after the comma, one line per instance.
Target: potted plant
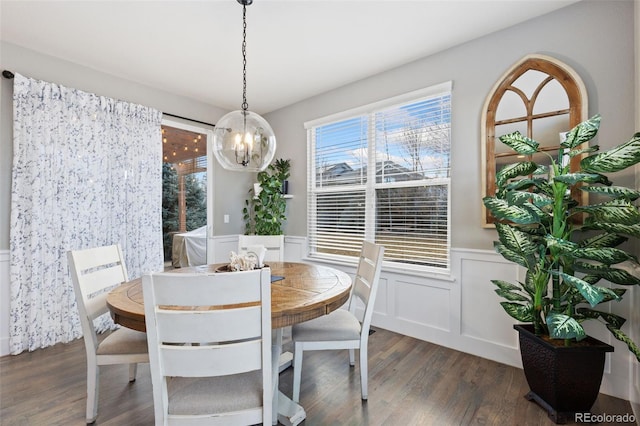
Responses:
[568,251]
[282,169]
[264,210]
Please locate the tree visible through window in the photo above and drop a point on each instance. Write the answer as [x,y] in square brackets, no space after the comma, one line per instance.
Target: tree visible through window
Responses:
[381,173]
[184,184]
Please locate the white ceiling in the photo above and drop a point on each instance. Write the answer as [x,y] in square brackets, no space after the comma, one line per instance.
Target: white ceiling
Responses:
[295,48]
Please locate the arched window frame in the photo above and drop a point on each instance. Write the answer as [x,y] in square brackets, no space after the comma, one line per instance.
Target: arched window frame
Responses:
[577,110]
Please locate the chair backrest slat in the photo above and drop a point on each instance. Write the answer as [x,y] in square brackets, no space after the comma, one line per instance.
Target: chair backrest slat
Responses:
[222,325]
[230,288]
[96,256]
[211,360]
[100,279]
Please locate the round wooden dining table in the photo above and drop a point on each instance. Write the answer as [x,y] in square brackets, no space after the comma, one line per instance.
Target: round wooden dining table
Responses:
[305,292]
[299,292]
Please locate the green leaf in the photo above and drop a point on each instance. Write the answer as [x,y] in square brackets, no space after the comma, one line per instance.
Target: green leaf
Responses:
[541,170]
[564,327]
[511,296]
[511,255]
[618,334]
[521,197]
[518,311]
[614,160]
[519,143]
[515,239]
[614,228]
[606,255]
[613,211]
[511,171]
[505,285]
[603,240]
[592,294]
[502,210]
[617,276]
[615,320]
[609,295]
[573,178]
[591,279]
[576,152]
[530,282]
[613,191]
[583,132]
[560,244]
[526,184]
[507,290]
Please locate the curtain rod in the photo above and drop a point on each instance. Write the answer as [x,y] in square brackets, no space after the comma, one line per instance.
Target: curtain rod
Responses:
[189,119]
[8,74]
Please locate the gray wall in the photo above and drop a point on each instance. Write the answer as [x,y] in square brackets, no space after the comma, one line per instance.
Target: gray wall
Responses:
[43,67]
[595,38]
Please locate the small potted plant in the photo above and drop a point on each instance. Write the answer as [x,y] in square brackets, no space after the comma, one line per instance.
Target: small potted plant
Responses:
[567,261]
[283,171]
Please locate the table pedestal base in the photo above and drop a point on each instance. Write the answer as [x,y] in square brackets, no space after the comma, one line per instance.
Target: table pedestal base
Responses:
[285,410]
[285,361]
[289,413]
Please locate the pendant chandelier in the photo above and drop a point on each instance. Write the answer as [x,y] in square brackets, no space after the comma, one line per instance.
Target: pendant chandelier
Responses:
[243,140]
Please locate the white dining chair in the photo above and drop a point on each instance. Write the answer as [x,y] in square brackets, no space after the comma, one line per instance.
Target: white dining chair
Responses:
[341,329]
[273,243]
[94,271]
[210,363]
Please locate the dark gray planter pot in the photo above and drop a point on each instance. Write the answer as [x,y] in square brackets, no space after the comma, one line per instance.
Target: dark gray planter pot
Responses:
[564,380]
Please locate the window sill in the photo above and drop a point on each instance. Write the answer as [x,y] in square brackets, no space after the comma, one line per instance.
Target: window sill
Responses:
[390,268]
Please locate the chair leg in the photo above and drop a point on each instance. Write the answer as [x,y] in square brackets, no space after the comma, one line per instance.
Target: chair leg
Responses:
[93,383]
[276,350]
[352,357]
[363,371]
[297,371]
[133,368]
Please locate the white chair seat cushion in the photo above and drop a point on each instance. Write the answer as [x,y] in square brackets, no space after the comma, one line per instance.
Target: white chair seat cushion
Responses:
[210,395]
[338,325]
[123,341]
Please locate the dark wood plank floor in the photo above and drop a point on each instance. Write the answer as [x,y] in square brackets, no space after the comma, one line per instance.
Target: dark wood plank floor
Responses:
[411,382]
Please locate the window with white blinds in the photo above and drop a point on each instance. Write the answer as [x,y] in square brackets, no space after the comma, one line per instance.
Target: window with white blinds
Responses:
[381,173]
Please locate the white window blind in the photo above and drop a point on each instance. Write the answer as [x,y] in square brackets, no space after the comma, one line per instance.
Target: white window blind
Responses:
[381,173]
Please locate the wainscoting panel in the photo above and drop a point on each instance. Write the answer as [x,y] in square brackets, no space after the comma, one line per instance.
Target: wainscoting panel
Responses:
[222,246]
[295,248]
[422,304]
[381,305]
[482,317]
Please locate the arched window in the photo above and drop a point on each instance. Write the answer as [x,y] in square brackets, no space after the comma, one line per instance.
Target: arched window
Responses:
[539,96]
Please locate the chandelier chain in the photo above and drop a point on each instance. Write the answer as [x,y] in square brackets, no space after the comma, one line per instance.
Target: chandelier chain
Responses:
[245,105]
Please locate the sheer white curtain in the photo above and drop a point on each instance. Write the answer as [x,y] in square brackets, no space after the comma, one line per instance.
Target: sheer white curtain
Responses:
[87,171]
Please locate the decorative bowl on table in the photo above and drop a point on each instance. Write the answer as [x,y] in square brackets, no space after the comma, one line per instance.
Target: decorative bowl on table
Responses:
[227,268]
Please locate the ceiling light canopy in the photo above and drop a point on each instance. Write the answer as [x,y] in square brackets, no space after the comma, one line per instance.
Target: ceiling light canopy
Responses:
[242,139]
